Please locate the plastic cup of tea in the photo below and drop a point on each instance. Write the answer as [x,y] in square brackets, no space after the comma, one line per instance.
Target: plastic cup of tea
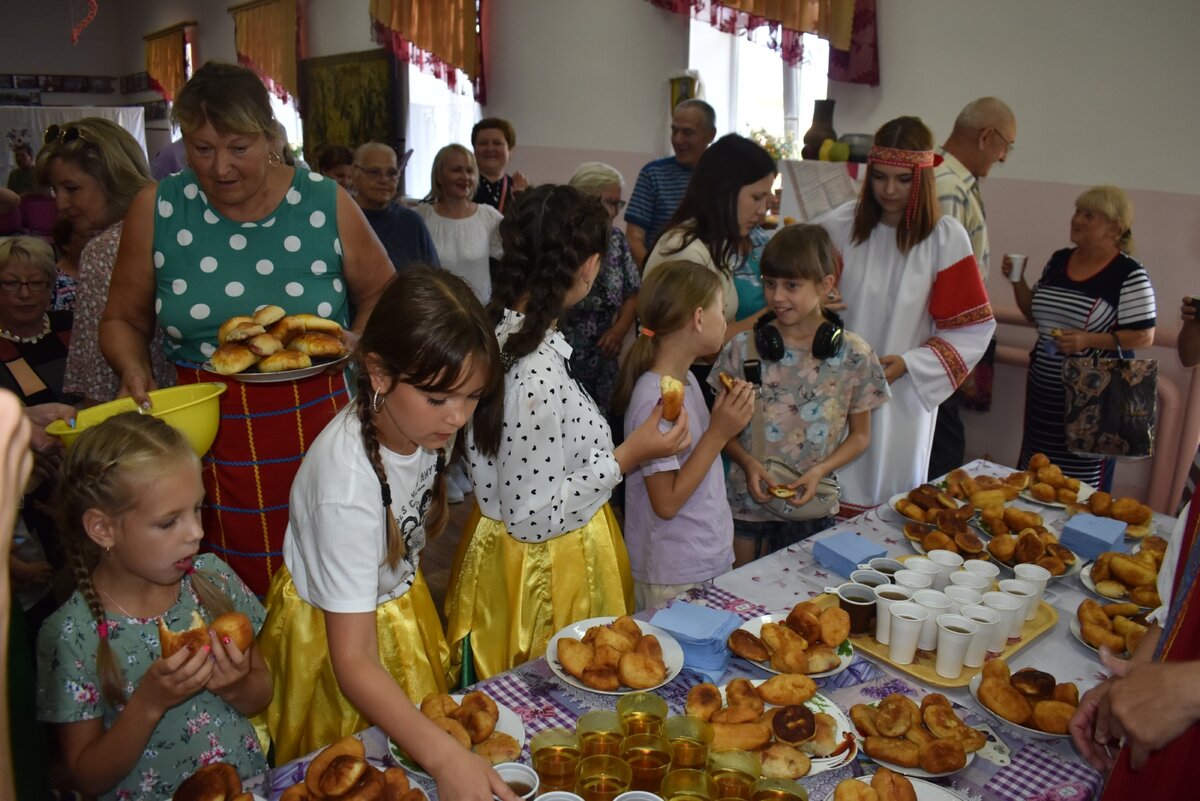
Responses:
[689,784]
[1017,260]
[936,603]
[923,564]
[871,578]
[982,567]
[947,562]
[734,771]
[1037,576]
[642,713]
[556,754]
[912,579]
[649,757]
[955,633]
[689,737]
[1024,592]
[601,731]
[884,564]
[778,790]
[905,629]
[637,795]
[962,596]
[602,777]
[988,622]
[969,578]
[1012,620]
[521,779]
[559,795]
[885,596]
[859,602]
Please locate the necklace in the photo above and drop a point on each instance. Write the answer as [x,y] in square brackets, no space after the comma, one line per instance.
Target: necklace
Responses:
[125,611]
[10,336]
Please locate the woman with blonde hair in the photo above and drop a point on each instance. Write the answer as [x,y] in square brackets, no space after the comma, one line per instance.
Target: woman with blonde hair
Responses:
[1092,297]
[96,169]
[238,230]
[596,326]
[465,234]
[912,290]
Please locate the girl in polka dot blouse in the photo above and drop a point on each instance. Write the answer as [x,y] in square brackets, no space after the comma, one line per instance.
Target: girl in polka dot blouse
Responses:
[546,550]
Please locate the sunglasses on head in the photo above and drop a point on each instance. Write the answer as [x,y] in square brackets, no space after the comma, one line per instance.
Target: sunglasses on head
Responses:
[56,134]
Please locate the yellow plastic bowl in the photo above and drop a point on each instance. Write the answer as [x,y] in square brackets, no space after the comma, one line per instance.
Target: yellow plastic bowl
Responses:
[193,410]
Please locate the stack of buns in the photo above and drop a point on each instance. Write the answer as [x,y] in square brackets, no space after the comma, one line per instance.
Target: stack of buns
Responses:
[982,491]
[612,656]
[931,736]
[997,519]
[1033,545]
[341,773]
[1133,576]
[771,720]
[806,642]
[885,785]
[949,532]
[1047,482]
[233,625]
[924,503]
[1120,626]
[1029,697]
[274,341]
[472,724]
[218,781]
[1133,513]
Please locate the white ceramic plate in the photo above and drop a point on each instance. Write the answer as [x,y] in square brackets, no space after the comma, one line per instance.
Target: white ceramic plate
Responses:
[508,722]
[1036,734]
[899,496]
[252,376]
[925,790]
[845,651]
[845,730]
[1072,570]
[1085,576]
[1077,633]
[672,653]
[1085,491]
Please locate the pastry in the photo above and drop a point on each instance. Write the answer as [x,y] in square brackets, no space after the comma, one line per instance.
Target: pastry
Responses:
[313,322]
[898,752]
[317,344]
[478,714]
[793,724]
[284,360]
[942,756]
[236,627]
[703,701]
[214,781]
[232,359]
[726,380]
[824,740]
[438,705]
[835,625]
[782,761]
[641,671]
[746,645]
[892,786]
[672,397]
[194,638]
[347,746]
[787,689]
[1005,700]
[499,747]
[230,324]
[740,692]
[743,736]
[268,315]
[1052,716]
[851,790]
[1033,683]
[263,345]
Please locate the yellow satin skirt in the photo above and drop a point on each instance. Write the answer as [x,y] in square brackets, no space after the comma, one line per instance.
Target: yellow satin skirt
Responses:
[308,710]
[510,597]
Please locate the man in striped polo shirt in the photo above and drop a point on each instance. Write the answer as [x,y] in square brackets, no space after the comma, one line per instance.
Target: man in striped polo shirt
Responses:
[984,133]
[662,183]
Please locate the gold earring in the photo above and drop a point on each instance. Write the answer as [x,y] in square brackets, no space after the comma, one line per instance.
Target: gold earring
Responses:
[274,159]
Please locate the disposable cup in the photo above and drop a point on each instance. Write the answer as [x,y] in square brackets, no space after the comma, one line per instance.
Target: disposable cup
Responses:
[936,603]
[516,775]
[1018,266]
[1011,618]
[969,578]
[923,564]
[912,579]
[905,630]
[1037,576]
[988,621]
[871,578]
[884,564]
[955,633]
[1024,592]
[962,596]
[947,562]
[981,567]
[885,596]
[859,602]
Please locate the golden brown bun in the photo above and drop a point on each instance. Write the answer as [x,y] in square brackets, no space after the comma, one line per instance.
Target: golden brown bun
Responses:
[780,491]
[835,626]
[641,671]
[892,786]
[703,701]
[735,714]
[268,315]
[284,360]
[236,627]
[218,780]
[229,325]
[740,693]
[997,669]
[824,741]
[943,756]
[627,627]
[672,397]
[895,717]
[852,790]
[395,783]
[347,746]
[898,752]
[787,689]
[438,705]
[370,787]
[313,322]
[793,724]
[287,328]
[342,775]
[743,736]
[863,717]
[232,359]
[1005,700]
[1033,682]
[1052,716]
[317,344]
[478,714]
[194,638]
[263,344]
[804,620]
[575,656]
[242,332]
[1067,692]
[822,658]
[747,646]
[782,761]
[499,747]
[455,730]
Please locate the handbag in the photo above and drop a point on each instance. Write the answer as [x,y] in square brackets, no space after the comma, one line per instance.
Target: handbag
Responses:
[825,502]
[1110,405]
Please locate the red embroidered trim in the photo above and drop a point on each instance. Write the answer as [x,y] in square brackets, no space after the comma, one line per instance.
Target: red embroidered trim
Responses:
[951,361]
[980,314]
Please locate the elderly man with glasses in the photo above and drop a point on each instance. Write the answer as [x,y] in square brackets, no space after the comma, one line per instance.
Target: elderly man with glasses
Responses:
[401,230]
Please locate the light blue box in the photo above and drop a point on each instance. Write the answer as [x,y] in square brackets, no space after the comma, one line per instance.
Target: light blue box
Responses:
[1089,535]
[843,553]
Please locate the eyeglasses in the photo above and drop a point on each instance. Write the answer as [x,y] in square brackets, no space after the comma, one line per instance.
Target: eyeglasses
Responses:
[374,173]
[56,134]
[614,205]
[1012,146]
[12,287]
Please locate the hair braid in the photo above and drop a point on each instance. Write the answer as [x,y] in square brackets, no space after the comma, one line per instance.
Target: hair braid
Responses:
[370,435]
[112,679]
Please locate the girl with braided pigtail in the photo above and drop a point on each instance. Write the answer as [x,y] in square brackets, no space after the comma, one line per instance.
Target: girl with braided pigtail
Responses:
[131,722]
[544,549]
[352,635]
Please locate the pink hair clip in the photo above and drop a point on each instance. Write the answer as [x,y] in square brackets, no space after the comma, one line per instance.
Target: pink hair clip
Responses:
[102,629]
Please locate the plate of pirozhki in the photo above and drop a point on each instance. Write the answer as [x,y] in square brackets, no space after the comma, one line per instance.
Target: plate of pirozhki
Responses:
[272,346]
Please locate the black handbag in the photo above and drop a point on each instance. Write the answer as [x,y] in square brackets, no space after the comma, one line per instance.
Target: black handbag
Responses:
[1110,405]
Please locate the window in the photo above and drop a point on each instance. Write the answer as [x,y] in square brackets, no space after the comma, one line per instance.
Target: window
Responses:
[437,116]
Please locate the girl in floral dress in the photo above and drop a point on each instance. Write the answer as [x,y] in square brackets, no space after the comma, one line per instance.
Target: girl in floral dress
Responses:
[816,411]
[130,723]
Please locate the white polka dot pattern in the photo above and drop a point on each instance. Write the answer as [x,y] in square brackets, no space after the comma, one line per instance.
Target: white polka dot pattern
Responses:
[184,237]
[319,267]
[200,311]
[159,260]
[237,242]
[179,286]
[295,289]
[291,244]
[316,219]
[208,264]
[234,289]
[264,267]
[165,209]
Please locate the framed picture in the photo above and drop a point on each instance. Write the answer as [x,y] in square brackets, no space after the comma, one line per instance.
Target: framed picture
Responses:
[6,82]
[101,84]
[682,88]
[135,82]
[26,82]
[20,97]
[74,83]
[351,98]
[156,110]
[50,83]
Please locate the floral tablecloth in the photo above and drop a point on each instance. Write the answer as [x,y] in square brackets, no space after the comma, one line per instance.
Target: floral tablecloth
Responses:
[1011,767]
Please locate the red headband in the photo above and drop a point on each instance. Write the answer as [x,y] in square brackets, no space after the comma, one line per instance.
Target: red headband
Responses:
[912,159]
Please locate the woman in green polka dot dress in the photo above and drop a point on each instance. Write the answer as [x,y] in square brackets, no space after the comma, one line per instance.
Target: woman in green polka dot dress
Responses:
[238,230]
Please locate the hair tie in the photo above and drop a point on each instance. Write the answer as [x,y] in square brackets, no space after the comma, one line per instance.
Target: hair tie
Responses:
[646,332]
[102,629]
[386,492]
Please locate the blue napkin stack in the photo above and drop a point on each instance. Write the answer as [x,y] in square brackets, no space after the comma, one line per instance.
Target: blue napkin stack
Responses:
[701,632]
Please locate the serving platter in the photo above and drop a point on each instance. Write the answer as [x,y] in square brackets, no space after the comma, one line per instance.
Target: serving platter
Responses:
[1085,578]
[672,653]
[1085,491]
[508,722]
[1036,734]
[754,625]
[252,376]
[925,791]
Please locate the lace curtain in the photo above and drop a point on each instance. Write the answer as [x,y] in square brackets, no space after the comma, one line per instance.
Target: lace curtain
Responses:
[165,63]
[265,33]
[440,37]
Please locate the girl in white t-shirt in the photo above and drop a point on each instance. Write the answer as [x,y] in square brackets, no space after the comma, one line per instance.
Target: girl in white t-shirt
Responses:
[351,632]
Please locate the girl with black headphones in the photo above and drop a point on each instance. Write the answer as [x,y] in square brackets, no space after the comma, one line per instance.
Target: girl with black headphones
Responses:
[819,384]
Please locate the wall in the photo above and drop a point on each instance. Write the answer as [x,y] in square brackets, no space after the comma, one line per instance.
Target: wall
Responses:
[33,30]
[1104,93]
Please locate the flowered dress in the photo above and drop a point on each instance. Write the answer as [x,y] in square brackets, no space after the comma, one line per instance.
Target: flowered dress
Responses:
[591,317]
[198,731]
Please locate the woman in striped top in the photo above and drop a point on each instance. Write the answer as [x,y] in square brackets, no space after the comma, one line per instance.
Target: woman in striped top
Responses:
[1087,295]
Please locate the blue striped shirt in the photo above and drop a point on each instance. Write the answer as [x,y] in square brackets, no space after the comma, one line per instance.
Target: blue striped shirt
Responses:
[658,192]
